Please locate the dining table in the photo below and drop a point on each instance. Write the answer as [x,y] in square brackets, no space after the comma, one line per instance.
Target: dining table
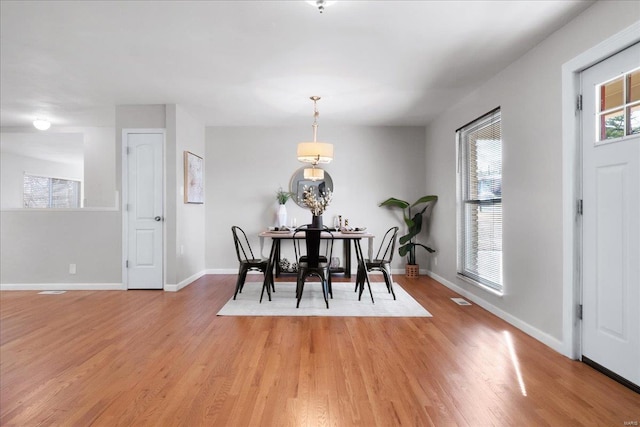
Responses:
[346,236]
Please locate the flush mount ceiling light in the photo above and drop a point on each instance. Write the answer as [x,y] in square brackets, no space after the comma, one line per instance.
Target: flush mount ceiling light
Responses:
[320,4]
[41,124]
[315,152]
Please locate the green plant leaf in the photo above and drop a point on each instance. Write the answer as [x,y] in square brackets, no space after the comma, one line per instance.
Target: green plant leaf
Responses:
[392,202]
[426,247]
[417,222]
[404,239]
[402,250]
[414,224]
[425,199]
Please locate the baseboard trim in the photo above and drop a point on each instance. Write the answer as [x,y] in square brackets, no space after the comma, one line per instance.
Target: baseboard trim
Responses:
[62,287]
[93,286]
[227,271]
[184,283]
[536,333]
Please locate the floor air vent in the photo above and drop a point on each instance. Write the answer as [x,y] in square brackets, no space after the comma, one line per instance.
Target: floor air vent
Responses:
[51,292]
[460,301]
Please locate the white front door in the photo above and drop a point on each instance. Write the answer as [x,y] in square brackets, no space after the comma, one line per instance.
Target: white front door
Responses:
[144,210]
[611,218]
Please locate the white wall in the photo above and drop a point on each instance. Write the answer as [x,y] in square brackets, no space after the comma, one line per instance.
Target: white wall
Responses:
[245,167]
[14,166]
[529,92]
[99,167]
[85,154]
[188,245]
[38,246]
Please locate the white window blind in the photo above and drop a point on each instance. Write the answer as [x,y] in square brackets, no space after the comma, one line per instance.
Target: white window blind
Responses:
[46,192]
[480,201]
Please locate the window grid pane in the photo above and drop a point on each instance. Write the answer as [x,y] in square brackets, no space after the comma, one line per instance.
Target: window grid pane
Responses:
[611,94]
[618,107]
[480,221]
[45,192]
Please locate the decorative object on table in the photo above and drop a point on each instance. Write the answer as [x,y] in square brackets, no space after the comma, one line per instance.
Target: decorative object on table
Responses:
[353,230]
[193,182]
[414,223]
[317,204]
[337,222]
[283,197]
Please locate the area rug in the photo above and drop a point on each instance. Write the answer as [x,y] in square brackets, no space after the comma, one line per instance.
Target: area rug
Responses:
[344,303]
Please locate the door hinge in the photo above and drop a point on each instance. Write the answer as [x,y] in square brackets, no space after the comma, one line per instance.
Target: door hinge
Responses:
[128,150]
[579,311]
[580,207]
[579,103]
[126,263]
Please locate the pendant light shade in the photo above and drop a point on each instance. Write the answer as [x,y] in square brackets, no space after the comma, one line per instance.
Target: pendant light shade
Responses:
[315,152]
[313,174]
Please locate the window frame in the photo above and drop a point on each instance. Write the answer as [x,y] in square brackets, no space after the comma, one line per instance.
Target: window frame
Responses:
[625,107]
[489,119]
[50,187]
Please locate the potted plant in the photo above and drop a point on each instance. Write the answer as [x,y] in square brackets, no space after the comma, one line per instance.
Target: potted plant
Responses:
[283,197]
[414,222]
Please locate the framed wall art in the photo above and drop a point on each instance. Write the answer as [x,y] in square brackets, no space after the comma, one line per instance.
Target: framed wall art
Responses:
[193,179]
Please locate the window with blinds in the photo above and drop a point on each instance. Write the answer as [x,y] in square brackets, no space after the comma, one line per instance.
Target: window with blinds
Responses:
[46,192]
[480,201]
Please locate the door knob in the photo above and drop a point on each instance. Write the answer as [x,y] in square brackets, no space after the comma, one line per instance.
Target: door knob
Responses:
[158,218]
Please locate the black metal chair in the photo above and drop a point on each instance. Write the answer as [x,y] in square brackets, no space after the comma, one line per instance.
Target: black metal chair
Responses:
[248,262]
[382,260]
[310,260]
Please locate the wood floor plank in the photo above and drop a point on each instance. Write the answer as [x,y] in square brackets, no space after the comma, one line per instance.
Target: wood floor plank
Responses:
[149,358]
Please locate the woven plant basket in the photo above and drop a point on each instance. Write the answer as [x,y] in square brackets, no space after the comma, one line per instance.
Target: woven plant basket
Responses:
[412,271]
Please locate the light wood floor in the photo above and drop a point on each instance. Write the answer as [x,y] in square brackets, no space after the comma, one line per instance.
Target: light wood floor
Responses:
[154,358]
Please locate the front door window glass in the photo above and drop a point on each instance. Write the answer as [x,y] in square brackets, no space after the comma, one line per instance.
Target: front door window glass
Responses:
[619,107]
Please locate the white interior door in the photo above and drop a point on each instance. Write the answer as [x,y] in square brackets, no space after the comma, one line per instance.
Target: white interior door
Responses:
[144,210]
[611,218]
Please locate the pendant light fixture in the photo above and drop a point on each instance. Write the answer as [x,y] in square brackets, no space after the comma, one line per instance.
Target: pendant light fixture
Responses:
[315,152]
[313,173]
[320,4]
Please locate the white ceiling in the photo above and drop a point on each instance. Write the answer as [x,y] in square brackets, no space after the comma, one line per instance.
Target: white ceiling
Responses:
[257,62]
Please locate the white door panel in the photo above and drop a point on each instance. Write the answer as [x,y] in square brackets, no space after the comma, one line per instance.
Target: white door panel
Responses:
[611,232]
[145,210]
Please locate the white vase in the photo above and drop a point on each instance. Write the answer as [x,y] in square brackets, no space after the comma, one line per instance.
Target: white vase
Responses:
[282,216]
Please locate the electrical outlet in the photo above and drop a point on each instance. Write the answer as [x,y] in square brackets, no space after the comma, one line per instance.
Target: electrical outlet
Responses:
[72,269]
[435,260]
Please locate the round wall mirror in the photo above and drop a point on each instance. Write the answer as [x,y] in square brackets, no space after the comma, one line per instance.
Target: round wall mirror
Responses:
[298,182]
